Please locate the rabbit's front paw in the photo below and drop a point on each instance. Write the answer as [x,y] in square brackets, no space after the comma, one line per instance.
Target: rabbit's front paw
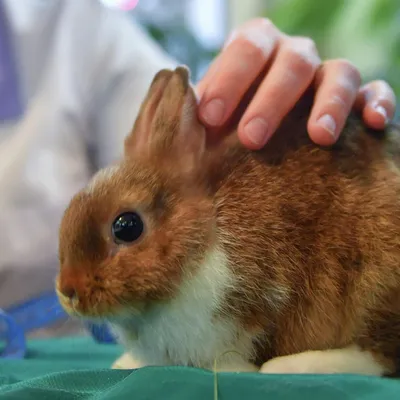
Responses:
[292,364]
[349,360]
[126,361]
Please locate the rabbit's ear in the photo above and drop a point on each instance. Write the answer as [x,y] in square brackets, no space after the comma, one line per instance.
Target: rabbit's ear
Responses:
[140,135]
[167,124]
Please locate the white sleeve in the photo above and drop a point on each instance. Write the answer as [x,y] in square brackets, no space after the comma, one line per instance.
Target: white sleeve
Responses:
[126,61]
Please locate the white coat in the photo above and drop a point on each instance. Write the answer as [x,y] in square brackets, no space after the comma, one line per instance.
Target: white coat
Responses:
[84,70]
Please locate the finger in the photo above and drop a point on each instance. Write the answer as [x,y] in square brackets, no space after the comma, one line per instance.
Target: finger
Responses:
[377,102]
[238,66]
[291,73]
[205,81]
[337,83]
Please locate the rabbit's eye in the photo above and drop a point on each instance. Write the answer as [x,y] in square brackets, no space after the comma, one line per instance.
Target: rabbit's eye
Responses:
[127,227]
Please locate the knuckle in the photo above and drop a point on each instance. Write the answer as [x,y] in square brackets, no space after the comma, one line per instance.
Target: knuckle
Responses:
[344,76]
[260,33]
[350,70]
[355,74]
[381,92]
[341,99]
[303,55]
[266,24]
[380,83]
[307,43]
[253,54]
[383,87]
[263,25]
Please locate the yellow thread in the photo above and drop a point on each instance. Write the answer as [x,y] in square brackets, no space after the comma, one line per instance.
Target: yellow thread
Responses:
[215,372]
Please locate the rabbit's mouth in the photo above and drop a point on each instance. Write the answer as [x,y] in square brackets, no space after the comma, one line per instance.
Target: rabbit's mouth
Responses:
[83,309]
[94,304]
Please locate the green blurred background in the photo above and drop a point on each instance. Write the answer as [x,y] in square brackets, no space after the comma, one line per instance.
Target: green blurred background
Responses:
[367,32]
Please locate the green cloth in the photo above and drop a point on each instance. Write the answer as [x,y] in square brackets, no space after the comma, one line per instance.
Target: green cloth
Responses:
[76,368]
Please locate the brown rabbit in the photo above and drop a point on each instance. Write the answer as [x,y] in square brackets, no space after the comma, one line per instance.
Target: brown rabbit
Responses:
[289,256]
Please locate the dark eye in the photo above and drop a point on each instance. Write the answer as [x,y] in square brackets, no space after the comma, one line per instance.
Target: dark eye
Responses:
[127,227]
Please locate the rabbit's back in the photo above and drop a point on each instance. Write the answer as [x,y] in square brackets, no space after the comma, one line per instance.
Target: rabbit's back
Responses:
[313,235]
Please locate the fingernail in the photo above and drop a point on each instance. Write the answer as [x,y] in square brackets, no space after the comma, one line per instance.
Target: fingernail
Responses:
[257,131]
[381,111]
[213,112]
[328,123]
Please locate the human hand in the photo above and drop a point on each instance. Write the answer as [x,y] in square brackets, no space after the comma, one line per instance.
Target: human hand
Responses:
[293,64]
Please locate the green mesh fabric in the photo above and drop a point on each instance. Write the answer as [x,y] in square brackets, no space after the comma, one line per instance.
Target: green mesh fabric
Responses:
[76,368]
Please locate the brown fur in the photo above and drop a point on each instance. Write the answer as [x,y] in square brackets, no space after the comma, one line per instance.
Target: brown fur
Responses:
[312,234]
[324,224]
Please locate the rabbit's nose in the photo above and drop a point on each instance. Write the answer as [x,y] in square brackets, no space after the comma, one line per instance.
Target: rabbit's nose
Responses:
[69,284]
[68,288]
[69,292]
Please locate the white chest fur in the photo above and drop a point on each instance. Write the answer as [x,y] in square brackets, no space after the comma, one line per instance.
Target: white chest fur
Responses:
[186,331]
